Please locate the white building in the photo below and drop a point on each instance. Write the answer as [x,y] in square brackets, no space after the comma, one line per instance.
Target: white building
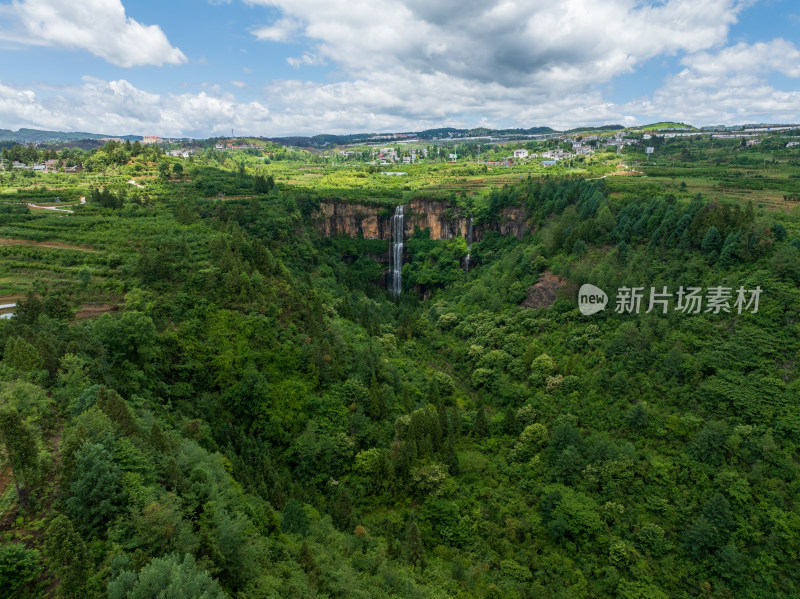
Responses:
[520,153]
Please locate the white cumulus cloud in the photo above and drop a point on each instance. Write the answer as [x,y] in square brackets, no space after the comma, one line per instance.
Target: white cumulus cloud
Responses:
[280,31]
[98,26]
[119,108]
[535,43]
[730,86]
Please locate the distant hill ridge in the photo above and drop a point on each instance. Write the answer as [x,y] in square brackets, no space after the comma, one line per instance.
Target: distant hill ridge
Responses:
[41,136]
[25,135]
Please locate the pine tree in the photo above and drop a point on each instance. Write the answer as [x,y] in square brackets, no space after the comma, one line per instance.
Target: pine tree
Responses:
[96,488]
[117,410]
[66,552]
[481,425]
[22,355]
[454,423]
[510,423]
[166,577]
[342,509]
[712,242]
[637,418]
[685,240]
[310,567]
[19,441]
[407,457]
[385,471]
[450,457]
[377,400]
[294,518]
[306,558]
[424,446]
[436,430]
[444,422]
[414,551]
[434,397]
[393,547]
[158,440]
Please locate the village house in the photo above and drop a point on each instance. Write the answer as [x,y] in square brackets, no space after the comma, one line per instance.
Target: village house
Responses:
[387,155]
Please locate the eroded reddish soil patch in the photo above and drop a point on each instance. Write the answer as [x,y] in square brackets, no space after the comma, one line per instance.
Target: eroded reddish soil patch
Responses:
[45,244]
[94,310]
[543,293]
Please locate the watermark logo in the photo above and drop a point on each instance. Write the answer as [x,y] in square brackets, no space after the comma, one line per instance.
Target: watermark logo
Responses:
[688,300]
[591,299]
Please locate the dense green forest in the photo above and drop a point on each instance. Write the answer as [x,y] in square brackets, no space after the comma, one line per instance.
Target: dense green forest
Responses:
[257,417]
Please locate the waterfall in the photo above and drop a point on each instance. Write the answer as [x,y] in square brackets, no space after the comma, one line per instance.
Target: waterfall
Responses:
[396,257]
[469,243]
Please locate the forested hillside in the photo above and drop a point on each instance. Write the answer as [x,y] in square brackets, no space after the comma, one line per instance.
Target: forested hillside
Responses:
[256,417]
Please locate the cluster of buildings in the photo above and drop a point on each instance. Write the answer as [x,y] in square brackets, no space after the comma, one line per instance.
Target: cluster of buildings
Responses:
[390,156]
[182,153]
[48,166]
[234,145]
[581,146]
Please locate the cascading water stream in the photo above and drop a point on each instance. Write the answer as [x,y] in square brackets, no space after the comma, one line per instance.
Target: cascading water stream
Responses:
[396,258]
[469,243]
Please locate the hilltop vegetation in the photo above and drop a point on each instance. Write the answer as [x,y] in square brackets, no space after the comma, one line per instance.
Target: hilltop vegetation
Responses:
[666,125]
[198,394]
[24,136]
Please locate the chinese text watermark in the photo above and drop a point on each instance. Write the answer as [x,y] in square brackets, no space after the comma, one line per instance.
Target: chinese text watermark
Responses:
[688,300]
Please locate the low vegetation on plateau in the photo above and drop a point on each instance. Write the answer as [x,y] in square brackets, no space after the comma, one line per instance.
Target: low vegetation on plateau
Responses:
[202,394]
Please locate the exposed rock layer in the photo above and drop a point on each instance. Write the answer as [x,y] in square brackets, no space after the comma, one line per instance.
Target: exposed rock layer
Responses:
[354,220]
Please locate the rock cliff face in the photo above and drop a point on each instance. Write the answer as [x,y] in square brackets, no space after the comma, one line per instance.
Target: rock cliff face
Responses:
[351,220]
[512,222]
[443,221]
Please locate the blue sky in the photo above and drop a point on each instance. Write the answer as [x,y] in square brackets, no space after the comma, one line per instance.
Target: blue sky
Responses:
[279,67]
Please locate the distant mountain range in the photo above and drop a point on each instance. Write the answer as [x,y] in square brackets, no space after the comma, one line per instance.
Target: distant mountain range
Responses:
[321,141]
[24,136]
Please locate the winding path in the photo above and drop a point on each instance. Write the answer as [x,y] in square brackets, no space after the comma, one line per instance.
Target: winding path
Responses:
[50,208]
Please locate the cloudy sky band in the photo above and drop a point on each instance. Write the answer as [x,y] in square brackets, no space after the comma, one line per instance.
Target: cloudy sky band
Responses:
[278,67]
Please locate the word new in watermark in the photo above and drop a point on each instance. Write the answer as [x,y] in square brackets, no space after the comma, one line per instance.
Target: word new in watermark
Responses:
[688,300]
